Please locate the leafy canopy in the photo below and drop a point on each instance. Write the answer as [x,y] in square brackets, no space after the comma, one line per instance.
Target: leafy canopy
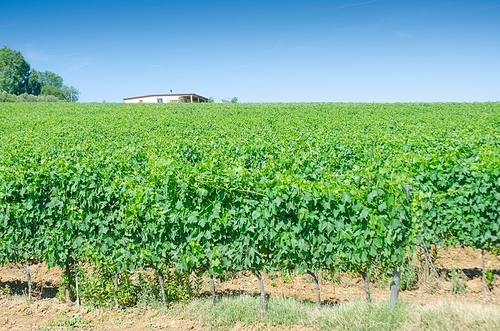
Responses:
[14,71]
[17,77]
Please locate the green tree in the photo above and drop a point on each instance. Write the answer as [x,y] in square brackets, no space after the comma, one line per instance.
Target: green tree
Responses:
[71,93]
[54,91]
[14,71]
[48,78]
[16,78]
[33,85]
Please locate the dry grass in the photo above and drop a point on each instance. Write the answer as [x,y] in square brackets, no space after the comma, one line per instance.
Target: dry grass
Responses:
[456,316]
[244,313]
[355,316]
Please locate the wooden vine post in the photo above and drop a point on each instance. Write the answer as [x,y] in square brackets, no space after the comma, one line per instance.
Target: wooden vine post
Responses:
[396,280]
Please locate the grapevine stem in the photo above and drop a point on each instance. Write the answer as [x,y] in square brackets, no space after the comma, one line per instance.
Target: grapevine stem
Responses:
[262,291]
[162,287]
[366,281]
[212,288]
[76,287]
[68,283]
[427,269]
[428,258]
[316,283]
[483,266]
[115,281]
[28,279]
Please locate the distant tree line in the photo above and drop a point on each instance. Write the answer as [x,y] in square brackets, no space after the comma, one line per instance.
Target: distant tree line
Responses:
[20,82]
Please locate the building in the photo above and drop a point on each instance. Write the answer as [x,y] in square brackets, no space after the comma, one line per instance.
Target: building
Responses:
[167,98]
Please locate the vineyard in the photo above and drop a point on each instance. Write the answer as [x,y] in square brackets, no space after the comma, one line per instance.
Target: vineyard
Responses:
[217,188]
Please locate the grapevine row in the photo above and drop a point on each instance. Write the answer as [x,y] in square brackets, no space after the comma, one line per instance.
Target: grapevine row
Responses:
[300,187]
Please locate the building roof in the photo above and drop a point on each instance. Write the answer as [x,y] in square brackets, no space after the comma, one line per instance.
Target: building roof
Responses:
[168,95]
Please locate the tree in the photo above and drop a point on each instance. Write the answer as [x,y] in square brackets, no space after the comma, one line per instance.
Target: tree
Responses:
[54,91]
[234,100]
[51,79]
[16,78]
[71,93]
[66,93]
[14,71]
[52,84]
[33,85]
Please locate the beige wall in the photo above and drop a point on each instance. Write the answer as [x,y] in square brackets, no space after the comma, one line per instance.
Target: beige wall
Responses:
[154,99]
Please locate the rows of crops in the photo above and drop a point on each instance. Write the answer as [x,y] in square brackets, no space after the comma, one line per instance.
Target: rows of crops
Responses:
[258,187]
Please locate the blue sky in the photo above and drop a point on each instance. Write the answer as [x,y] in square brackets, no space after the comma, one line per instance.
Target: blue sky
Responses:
[263,51]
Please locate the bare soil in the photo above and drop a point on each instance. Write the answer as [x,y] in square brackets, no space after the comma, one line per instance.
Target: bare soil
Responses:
[47,312]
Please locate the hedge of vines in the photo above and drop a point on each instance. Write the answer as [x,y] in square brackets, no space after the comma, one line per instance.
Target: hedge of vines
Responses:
[258,187]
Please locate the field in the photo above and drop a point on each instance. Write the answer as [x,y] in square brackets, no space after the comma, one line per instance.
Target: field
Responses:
[255,190]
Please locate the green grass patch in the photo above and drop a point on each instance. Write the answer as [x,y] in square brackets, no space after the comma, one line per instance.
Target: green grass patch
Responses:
[246,310]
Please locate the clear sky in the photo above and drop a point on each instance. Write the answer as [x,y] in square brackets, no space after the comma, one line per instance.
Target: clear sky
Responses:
[263,51]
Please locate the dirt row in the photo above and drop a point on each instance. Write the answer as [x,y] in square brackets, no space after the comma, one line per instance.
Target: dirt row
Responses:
[16,313]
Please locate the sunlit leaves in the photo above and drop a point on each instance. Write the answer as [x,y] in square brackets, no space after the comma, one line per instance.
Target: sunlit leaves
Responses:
[246,187]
